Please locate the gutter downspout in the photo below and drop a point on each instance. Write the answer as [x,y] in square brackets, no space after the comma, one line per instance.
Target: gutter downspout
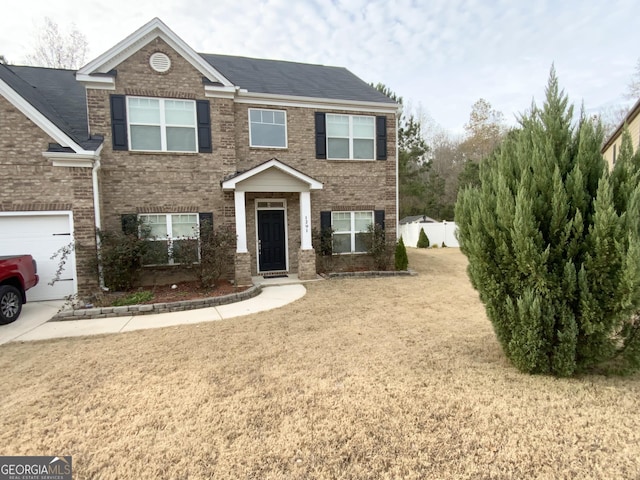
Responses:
[398,114]
[97,215]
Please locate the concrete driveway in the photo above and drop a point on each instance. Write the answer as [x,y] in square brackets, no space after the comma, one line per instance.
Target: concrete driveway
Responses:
[33,315]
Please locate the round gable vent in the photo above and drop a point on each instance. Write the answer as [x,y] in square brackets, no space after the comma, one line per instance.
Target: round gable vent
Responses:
[160,62]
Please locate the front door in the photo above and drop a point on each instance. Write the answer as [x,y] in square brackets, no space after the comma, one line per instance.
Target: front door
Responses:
[271,240]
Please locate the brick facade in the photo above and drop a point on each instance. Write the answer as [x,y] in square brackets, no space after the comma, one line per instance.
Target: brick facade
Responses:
[140,182]
[31,183]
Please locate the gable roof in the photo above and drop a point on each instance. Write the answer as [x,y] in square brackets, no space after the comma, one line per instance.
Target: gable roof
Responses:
[141,37]
[296,79]
[629,117]
[60,95]
[57,96]
[233,180]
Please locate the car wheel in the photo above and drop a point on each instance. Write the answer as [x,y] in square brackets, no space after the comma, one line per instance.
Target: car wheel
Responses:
[10,304]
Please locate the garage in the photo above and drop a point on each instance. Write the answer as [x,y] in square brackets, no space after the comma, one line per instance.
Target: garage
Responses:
[41,234]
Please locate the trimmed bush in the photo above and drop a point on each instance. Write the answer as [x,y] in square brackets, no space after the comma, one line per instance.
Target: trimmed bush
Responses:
[553,243]
[401,259]
[423,240]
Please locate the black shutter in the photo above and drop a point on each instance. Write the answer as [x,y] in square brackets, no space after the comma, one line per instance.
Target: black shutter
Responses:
[206,223]
[119,122]
[378,217]
[325,220]
[129,224]
[381,138]
[326,245]
[204,126]
[321,136]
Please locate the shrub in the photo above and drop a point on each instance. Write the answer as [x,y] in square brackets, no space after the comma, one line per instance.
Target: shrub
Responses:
[378,247]
[120,257]
[216,255]
[401,259]
[553,244]
[213,259]
[134,299]
[423,240]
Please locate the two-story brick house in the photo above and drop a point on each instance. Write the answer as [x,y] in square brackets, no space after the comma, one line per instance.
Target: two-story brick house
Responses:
[155,131]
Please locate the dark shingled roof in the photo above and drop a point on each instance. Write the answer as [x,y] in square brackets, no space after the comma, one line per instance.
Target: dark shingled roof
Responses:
[60,98]
[297,79]
[57,95]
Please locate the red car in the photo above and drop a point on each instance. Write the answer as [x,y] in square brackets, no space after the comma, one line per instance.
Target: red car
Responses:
[18,273]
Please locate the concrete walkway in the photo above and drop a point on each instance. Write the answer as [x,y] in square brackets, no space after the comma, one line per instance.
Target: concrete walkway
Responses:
[38,328]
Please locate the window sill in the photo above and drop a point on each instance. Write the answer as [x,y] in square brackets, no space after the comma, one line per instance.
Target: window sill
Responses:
[156,153]
[355,160]
[253,147]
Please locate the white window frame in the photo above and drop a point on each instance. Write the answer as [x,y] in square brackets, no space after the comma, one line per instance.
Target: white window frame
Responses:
[351,137]
[352,233]
[163,125]
[286,137]
[170,238]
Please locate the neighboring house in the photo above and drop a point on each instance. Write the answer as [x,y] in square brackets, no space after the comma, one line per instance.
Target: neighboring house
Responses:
[152,130]
[611,148]
[416,219]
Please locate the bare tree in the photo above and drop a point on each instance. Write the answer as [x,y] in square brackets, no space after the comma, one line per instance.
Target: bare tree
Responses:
[485,130]
[55,49]
[633,89]
[3,60]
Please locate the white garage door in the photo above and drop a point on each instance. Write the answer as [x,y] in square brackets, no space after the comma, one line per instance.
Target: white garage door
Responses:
[41,235]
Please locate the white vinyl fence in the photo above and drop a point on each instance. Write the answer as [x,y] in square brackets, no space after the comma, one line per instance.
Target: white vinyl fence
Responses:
[438,233]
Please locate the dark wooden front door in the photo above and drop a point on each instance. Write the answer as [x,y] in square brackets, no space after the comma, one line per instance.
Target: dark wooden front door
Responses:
[271,240]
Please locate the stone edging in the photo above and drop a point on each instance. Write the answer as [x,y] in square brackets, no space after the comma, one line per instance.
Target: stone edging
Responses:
[372,274]
[130,310]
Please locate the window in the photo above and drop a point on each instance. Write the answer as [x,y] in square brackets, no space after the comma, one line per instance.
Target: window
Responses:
[350,137]
[267,128]
[350,231]
[614,153]
[162,125]
[174,238]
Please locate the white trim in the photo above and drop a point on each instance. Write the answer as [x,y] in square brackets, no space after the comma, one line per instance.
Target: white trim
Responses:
[233,183]
[141,37]
[351,137]
[286,230]
[286,137]
[241,222]
[313,102]
[163,125]
[46,125]
[397,117]
[305,221]
[51,213]
[99,82]
[169,237]
[352,229]
[215,91]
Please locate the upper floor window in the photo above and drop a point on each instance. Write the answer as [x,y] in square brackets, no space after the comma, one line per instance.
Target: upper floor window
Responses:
[162,125]
[267,128]
[350,137]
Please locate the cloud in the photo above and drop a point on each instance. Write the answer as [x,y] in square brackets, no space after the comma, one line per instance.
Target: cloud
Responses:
[441,54]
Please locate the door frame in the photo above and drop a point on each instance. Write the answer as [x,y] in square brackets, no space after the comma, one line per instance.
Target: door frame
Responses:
[282,207]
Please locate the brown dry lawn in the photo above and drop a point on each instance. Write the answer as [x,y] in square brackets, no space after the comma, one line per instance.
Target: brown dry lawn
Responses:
[362,378]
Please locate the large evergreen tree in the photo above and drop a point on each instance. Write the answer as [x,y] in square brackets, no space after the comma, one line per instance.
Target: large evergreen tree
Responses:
[553,243]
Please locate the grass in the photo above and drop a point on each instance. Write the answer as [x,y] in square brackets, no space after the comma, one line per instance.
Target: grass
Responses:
[362,378]
[133,298]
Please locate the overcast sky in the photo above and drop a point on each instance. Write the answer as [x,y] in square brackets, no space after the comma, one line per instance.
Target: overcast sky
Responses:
[440,55]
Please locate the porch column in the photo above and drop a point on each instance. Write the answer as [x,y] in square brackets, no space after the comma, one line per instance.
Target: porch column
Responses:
[305,221]
[241,222]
